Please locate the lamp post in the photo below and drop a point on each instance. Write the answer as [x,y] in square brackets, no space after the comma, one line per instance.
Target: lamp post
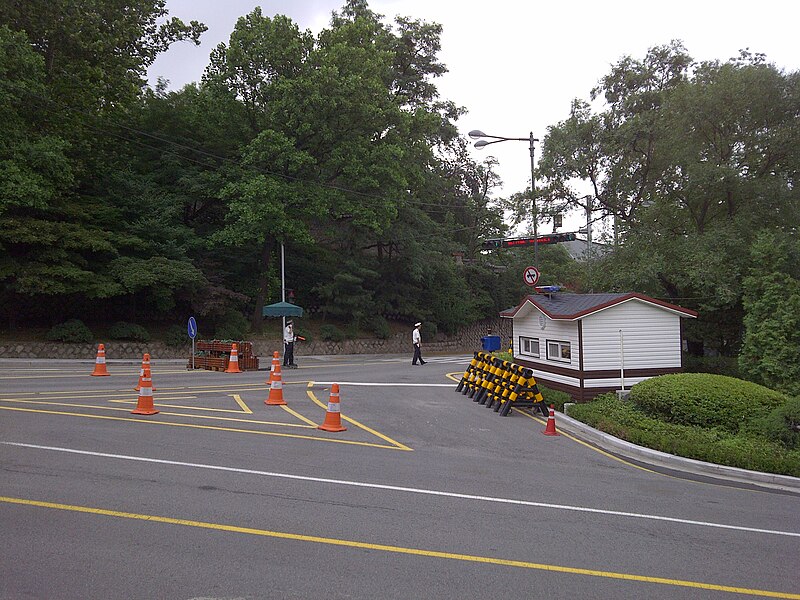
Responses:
[477,134]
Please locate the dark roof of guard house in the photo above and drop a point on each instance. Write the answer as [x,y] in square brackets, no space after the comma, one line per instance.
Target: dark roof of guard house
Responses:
[568,306]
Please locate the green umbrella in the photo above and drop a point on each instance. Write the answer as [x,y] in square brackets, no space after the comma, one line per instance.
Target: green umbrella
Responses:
[282,309]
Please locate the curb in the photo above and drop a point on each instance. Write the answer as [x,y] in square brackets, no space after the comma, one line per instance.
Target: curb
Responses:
[608,442]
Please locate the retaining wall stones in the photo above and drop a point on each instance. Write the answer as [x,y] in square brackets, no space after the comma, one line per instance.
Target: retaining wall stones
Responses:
[466,340]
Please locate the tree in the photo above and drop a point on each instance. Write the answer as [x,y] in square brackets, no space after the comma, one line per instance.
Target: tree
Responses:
[771,348]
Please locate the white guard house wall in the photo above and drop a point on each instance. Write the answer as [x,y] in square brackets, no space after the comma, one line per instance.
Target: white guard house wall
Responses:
[600,359]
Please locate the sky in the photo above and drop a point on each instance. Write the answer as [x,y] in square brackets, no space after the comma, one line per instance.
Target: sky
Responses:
[516,65]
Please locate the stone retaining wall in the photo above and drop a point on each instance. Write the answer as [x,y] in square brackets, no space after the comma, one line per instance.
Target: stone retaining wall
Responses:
[465,341]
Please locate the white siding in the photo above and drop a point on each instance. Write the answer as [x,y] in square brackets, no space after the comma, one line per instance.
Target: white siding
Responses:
[652,337]
[526,324]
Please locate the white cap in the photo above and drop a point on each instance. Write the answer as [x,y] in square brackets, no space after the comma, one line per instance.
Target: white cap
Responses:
[417,324]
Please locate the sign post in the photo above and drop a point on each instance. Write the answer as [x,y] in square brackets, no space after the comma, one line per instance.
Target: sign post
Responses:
[530,276]
[192,328]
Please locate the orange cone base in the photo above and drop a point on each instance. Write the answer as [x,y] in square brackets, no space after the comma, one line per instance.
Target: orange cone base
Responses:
[144,411]
[100,371]
[274,402]
[331,426]
[233,367]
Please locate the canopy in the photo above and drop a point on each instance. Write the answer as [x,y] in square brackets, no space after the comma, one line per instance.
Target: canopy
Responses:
[282,309]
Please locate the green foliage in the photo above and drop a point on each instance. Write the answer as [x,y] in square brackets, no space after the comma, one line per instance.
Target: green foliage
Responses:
[128,331]
[73,331]
[718,365]
[331,333]
[555,397]
[704,400]
[771,350]
[625,421]
[232,326]
[176,336]
[782,425]
[380,328]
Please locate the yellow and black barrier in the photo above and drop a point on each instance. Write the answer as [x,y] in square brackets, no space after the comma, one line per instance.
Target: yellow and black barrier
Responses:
[500,384]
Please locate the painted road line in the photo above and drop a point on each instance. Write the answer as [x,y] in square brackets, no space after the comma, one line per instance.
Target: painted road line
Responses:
[395,488]
[356,423]
[150,421]
[384,384]
[399,549]
[162,413]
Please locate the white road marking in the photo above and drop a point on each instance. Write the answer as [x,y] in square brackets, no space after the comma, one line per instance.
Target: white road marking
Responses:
[411,490]
[376,384]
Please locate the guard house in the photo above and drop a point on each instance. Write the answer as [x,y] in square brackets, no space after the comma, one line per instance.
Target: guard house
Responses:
[589,344]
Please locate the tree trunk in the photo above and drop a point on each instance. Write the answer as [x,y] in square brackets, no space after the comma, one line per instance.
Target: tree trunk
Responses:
[263,284]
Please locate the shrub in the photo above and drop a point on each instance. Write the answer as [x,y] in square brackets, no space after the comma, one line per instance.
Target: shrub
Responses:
[128,331]
[554,397]
[782,425]
[232,326]
[704,399]
[331,333]
[719,365]
[380,327]
[176,336]
[72,331]
[625,421]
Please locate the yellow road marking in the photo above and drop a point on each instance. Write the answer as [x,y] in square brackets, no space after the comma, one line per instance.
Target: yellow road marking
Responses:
[356,423]
[170,414]
[297,414]
[241,403]
[209,427]
[402,550]
[582,443]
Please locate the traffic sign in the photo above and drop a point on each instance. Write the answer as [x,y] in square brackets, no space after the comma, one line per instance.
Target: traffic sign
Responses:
[192,328]
[531,276]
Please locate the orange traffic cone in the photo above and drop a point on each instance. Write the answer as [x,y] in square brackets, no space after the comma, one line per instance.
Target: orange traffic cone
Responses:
[550,429]
[333,419]
[275,388]
[233,362]
[100,362]
[275,361]
[145,365]
[145,404]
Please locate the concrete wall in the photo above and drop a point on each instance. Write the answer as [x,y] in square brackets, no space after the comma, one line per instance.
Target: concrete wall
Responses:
[466,340]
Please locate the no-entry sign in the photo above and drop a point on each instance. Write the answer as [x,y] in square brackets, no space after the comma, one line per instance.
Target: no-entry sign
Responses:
[530,276]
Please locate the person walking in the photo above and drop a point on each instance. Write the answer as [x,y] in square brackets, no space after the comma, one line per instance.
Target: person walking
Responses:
[416,339]
[288,345]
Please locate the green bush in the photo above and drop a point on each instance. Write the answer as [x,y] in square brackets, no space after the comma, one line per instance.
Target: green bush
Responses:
[625,421]
[719,365]
[331,333]
[554,397]
[73,331]
[782,425]
[128,331]
[176,336]
[704,399]
[380,327]
[232,326]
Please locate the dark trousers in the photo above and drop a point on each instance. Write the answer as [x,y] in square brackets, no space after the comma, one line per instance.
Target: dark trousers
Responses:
[417,355]
[288,353]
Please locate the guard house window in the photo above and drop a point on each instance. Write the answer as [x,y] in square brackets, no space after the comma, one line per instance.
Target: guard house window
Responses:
[557,350]
[529,346]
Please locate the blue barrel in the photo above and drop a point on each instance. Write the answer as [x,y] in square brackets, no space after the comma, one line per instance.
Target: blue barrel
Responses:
[491,343]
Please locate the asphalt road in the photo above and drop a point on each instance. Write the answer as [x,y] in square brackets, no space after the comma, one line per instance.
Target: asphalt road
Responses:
[425,495]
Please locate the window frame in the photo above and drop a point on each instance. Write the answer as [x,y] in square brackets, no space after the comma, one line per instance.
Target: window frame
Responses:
[533,341]
[561,344]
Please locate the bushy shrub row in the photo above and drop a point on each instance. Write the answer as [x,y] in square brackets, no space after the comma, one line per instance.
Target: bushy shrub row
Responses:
[73,331]
[744,450]
[704,399]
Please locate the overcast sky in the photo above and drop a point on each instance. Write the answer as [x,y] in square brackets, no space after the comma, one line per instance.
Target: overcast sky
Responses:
[515,65]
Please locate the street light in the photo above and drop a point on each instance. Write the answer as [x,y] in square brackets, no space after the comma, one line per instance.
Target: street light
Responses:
[477,134]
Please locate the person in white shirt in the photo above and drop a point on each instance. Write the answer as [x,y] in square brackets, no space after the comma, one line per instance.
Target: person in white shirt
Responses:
[416,339]
[288,345]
